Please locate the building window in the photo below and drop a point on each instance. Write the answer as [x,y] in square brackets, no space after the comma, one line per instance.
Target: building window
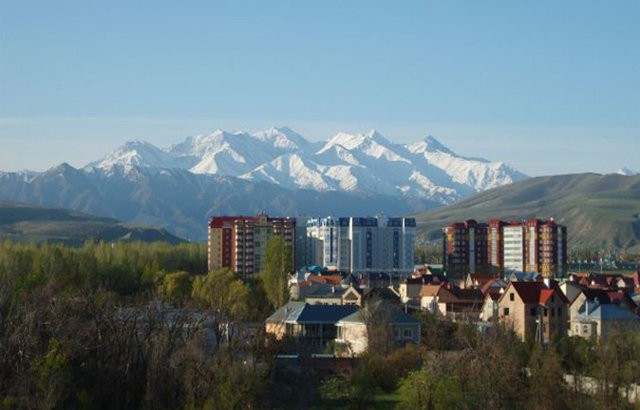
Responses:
[553,312]
[546,311]
[534,311]
[511,297]
[408,333]
[585,329]
[505,311]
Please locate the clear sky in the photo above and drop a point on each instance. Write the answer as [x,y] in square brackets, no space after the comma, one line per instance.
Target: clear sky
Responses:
[547,86]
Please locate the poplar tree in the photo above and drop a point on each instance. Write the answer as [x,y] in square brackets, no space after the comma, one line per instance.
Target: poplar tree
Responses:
[276,272]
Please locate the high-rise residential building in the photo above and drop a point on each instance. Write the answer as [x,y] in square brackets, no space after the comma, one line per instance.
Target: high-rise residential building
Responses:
[240,242]
[362,244]
[526,246]
[466,247]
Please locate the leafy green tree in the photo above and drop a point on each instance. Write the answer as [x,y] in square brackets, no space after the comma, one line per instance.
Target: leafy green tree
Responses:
[176,287]
[422,389]
[225,295]
[276,273]
[547,386]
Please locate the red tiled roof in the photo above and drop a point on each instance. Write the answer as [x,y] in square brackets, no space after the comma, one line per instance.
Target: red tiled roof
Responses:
[329,279]
[529,292]
[537,292]
[545,295]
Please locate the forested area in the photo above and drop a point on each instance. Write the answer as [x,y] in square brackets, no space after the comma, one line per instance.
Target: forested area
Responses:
[123,326]
[145,326]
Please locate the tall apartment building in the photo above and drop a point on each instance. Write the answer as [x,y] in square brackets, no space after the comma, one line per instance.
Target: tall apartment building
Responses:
[240,242]
[356,244]
[525,246]
[465,247]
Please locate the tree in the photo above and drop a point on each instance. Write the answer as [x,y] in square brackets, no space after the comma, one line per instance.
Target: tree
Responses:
[422,389]
[176,287]
[276,273]
[377,315]
[225,295]
[547,386]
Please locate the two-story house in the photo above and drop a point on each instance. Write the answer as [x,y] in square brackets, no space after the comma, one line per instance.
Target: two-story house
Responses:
[535,310]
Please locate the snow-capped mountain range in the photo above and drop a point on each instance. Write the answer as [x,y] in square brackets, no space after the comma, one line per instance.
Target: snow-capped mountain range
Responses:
[366,163]
[276,171]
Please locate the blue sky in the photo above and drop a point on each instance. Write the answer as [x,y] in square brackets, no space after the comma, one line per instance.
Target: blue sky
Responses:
[506,80]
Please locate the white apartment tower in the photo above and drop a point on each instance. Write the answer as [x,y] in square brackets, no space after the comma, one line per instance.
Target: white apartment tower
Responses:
[357,244]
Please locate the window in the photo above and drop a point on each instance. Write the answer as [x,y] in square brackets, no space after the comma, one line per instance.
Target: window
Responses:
[553,312]
[533,311]
[408,333]
[511,297]
[505,311]
[546,311]
[585,329]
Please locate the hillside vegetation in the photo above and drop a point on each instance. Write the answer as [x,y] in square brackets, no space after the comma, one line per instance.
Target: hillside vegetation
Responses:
[26,223]
[600,211]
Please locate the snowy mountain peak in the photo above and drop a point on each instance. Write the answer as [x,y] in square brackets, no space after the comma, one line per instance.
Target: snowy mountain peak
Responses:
[429,144]
[366,162]
[282,137]
[626,172]
[135,153]
[350,141]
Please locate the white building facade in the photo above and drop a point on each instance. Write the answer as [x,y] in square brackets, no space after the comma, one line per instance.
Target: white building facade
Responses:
[362,244]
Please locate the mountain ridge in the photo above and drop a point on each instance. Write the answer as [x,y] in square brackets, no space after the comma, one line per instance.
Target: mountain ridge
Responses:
[23,222]
[366,162]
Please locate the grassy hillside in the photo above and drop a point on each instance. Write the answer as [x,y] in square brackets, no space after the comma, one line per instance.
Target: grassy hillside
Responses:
[600,211]
[25,223]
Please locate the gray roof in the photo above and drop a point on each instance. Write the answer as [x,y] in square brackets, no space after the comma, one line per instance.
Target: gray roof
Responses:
[302,313]
[398,318]
[286,311]
[607,312]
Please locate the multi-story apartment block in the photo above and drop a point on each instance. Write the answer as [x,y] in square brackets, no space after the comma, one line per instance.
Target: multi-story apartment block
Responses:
[354,244]
[524,246]
[240,242]
[466,248]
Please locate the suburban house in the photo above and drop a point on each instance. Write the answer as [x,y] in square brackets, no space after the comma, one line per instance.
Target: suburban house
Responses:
[352,337]
[410,288]
[599,296]
[489,310]
[535,310]
[598,320]
[334,295]
[311,325]
[451,301]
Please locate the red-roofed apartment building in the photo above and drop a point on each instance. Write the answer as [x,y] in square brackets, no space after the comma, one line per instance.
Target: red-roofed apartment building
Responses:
[523,246]
[240,242]
[535,310]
